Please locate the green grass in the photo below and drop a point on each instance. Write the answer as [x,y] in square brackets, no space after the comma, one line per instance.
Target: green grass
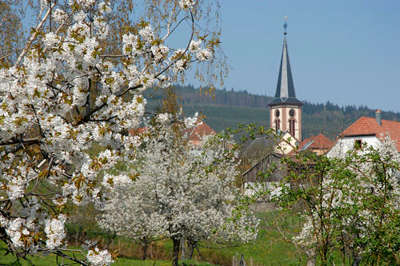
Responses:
[51,260]
[270,248]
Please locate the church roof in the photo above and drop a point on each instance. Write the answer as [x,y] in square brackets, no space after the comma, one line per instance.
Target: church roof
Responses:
[285,92]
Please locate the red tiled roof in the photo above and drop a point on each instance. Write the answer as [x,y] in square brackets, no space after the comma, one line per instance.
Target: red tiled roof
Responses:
[365,126]
[137,131]
[318,142]
[196,133]
[201,130]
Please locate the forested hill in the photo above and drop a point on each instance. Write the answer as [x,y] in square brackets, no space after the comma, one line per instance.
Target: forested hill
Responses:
[227,108]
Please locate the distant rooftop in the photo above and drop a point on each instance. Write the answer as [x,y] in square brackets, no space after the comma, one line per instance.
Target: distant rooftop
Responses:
[368,126]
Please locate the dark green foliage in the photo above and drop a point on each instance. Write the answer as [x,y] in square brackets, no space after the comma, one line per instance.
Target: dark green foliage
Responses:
[227,108]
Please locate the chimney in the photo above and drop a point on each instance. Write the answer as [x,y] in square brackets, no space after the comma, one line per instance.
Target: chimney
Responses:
[378,117]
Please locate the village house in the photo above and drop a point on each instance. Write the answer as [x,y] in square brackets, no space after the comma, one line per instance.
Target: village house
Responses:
[195,135]
[319,144]
[367,131]
[199,132]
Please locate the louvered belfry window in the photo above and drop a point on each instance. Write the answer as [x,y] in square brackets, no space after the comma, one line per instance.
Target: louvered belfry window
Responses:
[292,127]
[277,125]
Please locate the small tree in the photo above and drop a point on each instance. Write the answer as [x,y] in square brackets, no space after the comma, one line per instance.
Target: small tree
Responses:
[187,192]
[350,205]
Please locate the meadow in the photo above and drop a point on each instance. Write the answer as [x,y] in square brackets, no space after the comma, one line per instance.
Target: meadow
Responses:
[270,248]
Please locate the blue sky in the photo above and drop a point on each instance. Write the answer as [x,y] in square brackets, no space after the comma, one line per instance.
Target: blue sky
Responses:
[343,51]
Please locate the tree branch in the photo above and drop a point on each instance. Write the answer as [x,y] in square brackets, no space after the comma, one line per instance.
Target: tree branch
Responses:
[187,49]
[33,37]
[61,254]
[15,140]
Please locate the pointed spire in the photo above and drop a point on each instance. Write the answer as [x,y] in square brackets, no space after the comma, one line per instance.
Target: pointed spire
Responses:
[285,92]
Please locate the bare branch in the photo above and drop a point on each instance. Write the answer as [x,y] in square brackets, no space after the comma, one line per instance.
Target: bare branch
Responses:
[169,32]
[4,56]
[16,140]
[33,37]
[187,49]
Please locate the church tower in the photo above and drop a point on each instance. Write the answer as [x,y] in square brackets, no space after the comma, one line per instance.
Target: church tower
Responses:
[285,108]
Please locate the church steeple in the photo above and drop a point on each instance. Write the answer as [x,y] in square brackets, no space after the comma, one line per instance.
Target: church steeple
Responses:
[285,108]
[285,92]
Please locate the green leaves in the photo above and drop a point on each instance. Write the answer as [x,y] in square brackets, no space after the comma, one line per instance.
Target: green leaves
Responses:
[351,204]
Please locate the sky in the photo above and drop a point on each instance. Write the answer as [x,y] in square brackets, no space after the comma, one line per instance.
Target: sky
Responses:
[343,51]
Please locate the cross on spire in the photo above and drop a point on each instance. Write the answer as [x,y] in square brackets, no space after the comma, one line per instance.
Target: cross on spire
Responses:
[285,26]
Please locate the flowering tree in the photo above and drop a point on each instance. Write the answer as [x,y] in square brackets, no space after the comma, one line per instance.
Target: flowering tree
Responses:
[350,205]
[179,191]
[63,93]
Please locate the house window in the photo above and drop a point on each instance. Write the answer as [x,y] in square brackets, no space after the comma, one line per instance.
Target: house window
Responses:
[292,127]
[277,125]
[357,144]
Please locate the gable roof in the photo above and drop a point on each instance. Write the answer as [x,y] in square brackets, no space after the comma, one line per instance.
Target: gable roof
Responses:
[316,142]
[368,126]
[137,131]
[260,146]
[201,130]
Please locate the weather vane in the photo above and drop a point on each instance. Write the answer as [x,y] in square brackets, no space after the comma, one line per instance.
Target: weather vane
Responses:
[285,25]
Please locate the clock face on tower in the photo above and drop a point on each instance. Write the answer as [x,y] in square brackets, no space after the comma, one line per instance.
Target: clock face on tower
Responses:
[277,113]
[292,112]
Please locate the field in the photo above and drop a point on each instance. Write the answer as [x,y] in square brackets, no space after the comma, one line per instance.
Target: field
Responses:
[270,248]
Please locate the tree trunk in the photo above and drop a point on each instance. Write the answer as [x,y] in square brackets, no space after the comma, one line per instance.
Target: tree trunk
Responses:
[242,262]
[311,257]
[191,250]
[356,260]
[145,246]
[192,244]
[311,262]
[175,255]
[183,249]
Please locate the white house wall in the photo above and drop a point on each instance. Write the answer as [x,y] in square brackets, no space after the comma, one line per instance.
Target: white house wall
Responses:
[286,145]
[346,144]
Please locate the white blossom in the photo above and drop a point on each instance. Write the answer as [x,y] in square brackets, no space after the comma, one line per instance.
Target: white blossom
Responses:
[54,229]
[160,52]
[163,117]
[187,4]
[191,121]
[147,33]
[176,188]
[204,55]
[97,257]
[59,15]
[51,39]
[63,96]
[104,8]
[14,229]
[195,45]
